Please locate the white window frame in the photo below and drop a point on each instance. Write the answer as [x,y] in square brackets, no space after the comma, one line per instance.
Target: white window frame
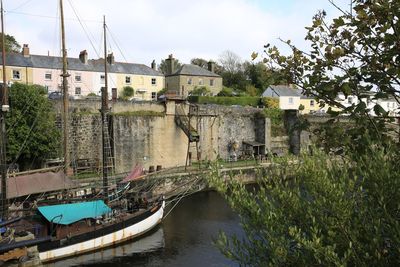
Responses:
[153,81]
[153,95]
[128,80]
[80,77]
[291,101]
[48,73]
[312,103]
[189,81]
[80,90]
[201,81]
[14,72]
[102,79]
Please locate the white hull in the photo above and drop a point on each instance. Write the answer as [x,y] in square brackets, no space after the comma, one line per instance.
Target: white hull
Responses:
[122,235]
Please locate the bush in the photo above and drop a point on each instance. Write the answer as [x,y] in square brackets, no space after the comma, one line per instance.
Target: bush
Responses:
[226,91]
[127,92]
[270,102]
[251,90]
[227,101]
[201,91]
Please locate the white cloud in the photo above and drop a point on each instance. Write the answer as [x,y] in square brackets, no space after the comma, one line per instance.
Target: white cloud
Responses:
[152,29]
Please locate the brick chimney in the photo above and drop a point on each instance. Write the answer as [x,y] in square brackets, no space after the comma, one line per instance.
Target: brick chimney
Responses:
[211,66]
[110,59]
[83,57]
[170,62]
[154,65]
[25,50]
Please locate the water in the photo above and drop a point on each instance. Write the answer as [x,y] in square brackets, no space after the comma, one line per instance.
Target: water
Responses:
[185,238]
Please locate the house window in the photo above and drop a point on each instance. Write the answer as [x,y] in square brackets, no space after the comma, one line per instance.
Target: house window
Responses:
[312,103]
[78,77]
[47,88]
[200,81]
[16,74]
[153,95]
[47,76]
[153,81]
[78,91]
[291,100]
[211,82]
[128,79]
[102,79]
[189,80]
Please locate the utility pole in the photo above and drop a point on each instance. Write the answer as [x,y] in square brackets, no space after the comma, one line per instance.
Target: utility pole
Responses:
[3,133]
[104,116]
[65,75]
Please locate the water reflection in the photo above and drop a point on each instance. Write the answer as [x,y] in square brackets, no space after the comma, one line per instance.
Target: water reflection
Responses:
[150,243]
[185,238]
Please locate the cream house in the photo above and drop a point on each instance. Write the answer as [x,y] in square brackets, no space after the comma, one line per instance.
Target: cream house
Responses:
[86,75]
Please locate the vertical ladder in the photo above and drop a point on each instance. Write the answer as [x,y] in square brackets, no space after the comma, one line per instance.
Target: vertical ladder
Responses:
[109,160]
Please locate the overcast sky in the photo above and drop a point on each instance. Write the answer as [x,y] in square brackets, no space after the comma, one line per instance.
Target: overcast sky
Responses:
[143,30]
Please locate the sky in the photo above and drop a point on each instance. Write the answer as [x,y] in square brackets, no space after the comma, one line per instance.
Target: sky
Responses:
[140,31]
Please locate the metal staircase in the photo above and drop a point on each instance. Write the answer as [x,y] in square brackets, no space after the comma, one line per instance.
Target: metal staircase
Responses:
[183,122]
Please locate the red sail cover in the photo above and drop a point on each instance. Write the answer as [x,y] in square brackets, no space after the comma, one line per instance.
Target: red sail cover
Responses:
[134,174]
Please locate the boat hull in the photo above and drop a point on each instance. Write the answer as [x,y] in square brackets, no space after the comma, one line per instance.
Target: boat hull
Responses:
[111,235]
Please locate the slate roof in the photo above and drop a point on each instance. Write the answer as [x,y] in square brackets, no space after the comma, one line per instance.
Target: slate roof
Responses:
[281,90]
[194,70]
[96,65]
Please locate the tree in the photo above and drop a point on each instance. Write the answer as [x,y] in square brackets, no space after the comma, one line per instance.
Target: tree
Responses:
[127,92]
[230,62]
[204,64]
[329,210]
[32,134]
[201,90]
[163,66]
[322,212]
[261,76]
[356,54]
[11,45]
[199,62]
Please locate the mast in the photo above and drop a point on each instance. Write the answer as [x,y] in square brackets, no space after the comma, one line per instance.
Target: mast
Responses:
[64,76]
[3,132]
[104,117]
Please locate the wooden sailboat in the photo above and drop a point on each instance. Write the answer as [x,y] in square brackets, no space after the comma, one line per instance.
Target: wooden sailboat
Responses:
[70,229]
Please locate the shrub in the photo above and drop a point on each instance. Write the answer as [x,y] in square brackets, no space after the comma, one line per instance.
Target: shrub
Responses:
[127,92]
[226,91]
[270,102]
[201,91]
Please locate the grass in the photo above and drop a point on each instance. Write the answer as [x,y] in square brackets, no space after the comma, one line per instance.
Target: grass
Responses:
[140,113]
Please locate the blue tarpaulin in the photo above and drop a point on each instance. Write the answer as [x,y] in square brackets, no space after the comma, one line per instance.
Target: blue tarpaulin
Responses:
[70,213]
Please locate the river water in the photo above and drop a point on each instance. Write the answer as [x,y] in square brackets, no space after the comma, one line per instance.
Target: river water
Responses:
[185,238]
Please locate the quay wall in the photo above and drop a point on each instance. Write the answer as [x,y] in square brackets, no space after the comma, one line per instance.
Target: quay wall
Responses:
[145,133]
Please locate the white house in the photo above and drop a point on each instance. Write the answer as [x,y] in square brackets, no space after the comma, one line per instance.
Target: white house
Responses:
[289,98]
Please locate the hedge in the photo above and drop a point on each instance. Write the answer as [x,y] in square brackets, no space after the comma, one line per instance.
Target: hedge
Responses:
[228,101]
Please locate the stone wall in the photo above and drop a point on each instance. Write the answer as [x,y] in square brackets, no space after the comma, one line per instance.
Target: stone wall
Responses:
[156,139]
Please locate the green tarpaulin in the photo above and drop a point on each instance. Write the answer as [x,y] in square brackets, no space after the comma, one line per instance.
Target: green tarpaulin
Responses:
[70,213]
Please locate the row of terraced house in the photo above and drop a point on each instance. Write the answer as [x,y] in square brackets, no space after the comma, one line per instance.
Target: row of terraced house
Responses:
[87,75]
